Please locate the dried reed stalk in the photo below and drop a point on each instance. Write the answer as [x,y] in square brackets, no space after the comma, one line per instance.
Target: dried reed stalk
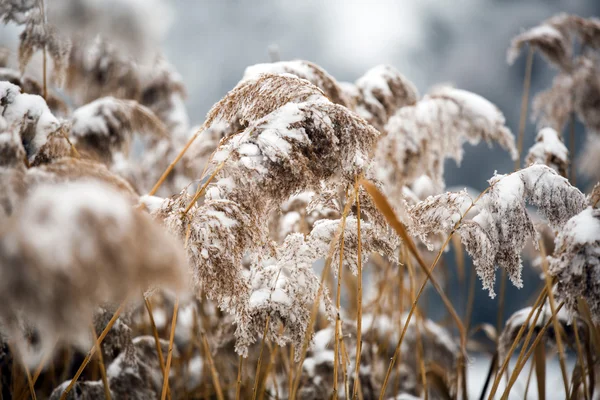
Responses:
[521,364]
[259,362]
[213,370]
[161,359]
[537,306]
[557,328]
[102,368]
[165,387]
[95,348]
[359,297]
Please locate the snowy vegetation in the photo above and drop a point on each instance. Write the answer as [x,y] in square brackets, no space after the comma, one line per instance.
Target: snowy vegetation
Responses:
[280,249]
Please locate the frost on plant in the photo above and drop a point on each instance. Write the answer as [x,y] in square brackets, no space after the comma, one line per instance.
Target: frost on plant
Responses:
[419,137]
[576,262]
[497,235]
[304,70]
[382,91]
[85,242]
[549,150]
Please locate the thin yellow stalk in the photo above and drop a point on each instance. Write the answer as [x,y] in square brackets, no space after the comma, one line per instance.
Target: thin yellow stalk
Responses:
[338,322]
[238,384]
[529,374]
[258,364]
[520,365]
[317,301]
[102,368]
[557,327]
[524,104]
[539,359]
[581,360]
[200,192]
[345,361]
[165,174]
[585,311]
[39,369]
[213,370]
[573,170]
[291,371]
[165,387]
[420,358]
[156,340]
[385,208]
[95,348]
[537,306]
[268,372]
[420,362]
[359,298]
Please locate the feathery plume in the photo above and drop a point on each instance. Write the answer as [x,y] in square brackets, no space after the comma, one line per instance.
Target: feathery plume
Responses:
[438,214]
[576,262]
[72,169]
[97,70]
[31,86]
[30,116]
[297,147]
[553,42]
[304,70]
[549,150]
[124,135]
[499,232]
[85,242]
[518,319]
[588,162]
[37,34]
[12,173]
[135,374]
[553,107]
[383,91]
[419,137]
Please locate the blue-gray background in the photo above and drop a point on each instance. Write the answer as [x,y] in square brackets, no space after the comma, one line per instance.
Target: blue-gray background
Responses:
[462,42]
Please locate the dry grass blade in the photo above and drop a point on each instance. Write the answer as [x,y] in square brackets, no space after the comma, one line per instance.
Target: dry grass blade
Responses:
[161,359]
[324,273]
[359,298]
[537,305]
[238,383]
[213,370]
[165,387]
[435,375]
[581,362]
[202,189]
[102,368]
[539,356]
[260,356]
[557,327]
[338,322]
[96,347]
[169,169]
[385,208]
[521,364]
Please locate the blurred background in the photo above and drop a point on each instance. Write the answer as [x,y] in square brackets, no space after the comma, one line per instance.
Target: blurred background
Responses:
[460,42]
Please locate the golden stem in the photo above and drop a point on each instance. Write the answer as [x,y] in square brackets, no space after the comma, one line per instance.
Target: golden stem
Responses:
[95,348]
[165,387]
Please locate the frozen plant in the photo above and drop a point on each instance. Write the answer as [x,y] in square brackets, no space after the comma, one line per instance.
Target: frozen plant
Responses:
[72,247]
[576,262]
